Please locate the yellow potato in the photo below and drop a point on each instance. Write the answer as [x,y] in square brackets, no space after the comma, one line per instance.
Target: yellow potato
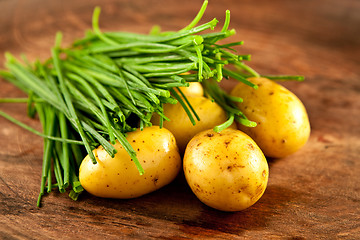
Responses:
[118,177]
[210,113]
[282,122]
[194,89]
[227,170]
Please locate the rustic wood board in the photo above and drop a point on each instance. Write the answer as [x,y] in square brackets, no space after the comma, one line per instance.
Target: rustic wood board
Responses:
[312,194]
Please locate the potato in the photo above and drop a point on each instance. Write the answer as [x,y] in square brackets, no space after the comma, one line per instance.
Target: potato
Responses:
[118,177]
[282,122]
[210,113]
[227,170]
[194,89]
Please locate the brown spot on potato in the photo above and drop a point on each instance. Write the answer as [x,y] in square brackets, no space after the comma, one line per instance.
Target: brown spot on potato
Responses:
[230,167]
[243,189]
[251,146]
[210,135]
[258,191]
[155,180]
[264,173]
[107,185]
[198,188]
[271,93]
[227,143]
[134,140]
[283,140]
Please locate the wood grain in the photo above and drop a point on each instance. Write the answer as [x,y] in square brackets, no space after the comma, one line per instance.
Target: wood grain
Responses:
[312,194]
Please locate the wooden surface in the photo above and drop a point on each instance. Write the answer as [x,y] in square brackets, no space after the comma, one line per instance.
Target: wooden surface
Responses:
[312,194]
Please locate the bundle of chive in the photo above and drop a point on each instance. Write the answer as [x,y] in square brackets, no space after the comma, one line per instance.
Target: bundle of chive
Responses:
[107,84]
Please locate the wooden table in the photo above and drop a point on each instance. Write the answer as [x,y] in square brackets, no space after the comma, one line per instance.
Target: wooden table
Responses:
[312,194]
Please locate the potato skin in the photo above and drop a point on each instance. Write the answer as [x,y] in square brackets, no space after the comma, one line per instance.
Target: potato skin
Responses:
[282,122]
[227,170]
[194,89]
[210,113]
[118,177]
